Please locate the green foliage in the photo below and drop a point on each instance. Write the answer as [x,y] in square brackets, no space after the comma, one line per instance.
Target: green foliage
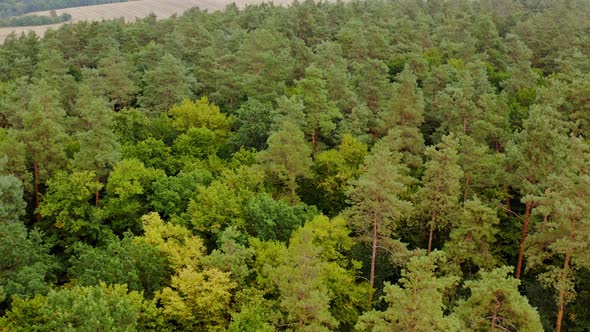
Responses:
[201,114]
[140,266]
[83,308]
[496,303]
[26,268]
[29,20]
[287,156]
[268,219]
[189,158]
[12,205]
[129,184]
[67,207]
[165,85]
[418,306]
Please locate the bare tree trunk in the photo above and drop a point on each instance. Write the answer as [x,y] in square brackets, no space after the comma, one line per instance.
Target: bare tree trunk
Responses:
[564,272]
[376,223]
[561,296]
[431,235]
[495,315]
[36,180]
[314,142]
[373,255]
[525,229]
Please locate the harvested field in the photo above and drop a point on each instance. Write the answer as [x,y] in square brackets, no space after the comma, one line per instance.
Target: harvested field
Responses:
[130,11]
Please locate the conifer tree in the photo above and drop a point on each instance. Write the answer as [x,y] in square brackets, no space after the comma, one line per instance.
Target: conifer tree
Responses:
[538,149]
[320,112]
[471,241]
[288,156]
[495,304]
[99,149]
[377,206]
[418,306]
[44,135]
[165,85]
[439,196]
[559,244]
[405,115]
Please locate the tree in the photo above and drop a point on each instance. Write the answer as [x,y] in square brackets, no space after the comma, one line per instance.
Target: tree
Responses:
[266,63]
[418,306]
[129,185]
[99,149]
[26,268]
[331,172]
[254,121]
[118,76]
[472,241]
[12,205]
[199,114]
[67,206]
[304,295]
[439,196]
[405,114]
[496,304]
[139,265]
[267,219]
[223,203]
[95,308]
[377,208]
[320,112]
[165,85]
[312,278]
[288,156]
[43,134]
[538,148]
[559,243]
[198,300]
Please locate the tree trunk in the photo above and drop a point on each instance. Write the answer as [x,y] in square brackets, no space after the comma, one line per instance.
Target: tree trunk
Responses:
[561,297]
[525,229]
[564,272]
[97,198]
[36,180]
[314,143]
[431,233]
[495,315]
[376,223]
[293,189]
[373,254]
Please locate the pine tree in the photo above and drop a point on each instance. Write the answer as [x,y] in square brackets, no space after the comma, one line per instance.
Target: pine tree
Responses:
[377,208]
[288,156]
[439,196]
[562,237]
[118,77]
[496,304]
[99,149]
[165,85]
[44,135]
[538,149]
[320,113]
[471,242]
[405,115]
[418,306]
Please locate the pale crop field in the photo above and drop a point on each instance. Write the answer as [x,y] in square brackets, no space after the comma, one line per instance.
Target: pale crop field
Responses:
[131,10]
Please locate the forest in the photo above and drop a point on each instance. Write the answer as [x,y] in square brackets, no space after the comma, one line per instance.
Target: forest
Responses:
[29,20]
[20,7]
[378,165]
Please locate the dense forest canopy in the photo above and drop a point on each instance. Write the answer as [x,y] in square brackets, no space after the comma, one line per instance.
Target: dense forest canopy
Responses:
[366,165]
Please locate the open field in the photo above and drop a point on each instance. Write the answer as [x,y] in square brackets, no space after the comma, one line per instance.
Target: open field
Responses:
[130,11]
